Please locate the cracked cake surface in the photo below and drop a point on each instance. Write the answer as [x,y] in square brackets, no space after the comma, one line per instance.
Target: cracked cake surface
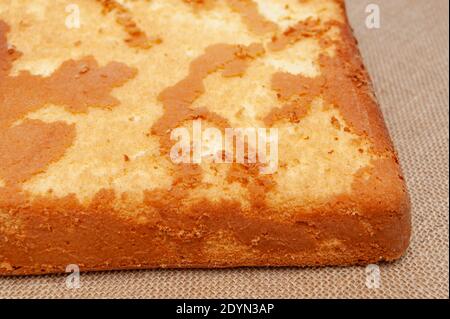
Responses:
[88,111]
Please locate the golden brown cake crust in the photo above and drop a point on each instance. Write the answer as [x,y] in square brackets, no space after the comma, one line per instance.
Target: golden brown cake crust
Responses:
[43,233]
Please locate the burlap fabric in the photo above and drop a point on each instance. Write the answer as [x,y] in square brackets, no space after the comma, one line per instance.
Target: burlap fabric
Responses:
[407,58]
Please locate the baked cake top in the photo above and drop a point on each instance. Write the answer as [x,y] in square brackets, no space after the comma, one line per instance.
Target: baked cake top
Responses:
[92,91]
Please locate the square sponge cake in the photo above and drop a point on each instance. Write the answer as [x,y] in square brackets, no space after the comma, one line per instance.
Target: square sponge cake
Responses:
[191,133]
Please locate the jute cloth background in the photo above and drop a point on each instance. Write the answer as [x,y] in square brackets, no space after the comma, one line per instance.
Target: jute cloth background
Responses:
[408,61]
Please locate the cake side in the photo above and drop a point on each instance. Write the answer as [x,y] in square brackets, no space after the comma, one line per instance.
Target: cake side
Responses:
[86,175]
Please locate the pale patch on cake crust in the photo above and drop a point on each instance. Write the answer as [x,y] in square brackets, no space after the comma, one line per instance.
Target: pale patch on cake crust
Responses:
[287,12]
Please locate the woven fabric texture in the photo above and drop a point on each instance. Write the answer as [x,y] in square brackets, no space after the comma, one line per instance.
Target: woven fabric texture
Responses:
[408,60]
